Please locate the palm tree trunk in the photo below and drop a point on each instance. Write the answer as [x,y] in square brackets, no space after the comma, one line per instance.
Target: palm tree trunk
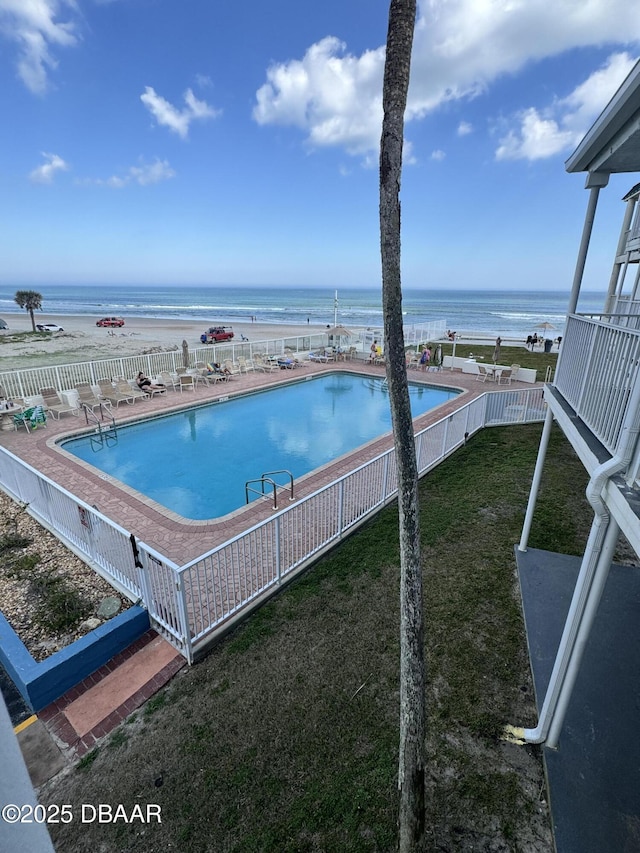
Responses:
[411,781]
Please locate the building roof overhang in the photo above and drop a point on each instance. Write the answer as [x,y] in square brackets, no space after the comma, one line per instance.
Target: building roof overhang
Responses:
[613,142]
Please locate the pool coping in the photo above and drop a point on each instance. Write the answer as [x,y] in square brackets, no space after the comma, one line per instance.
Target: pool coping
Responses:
[184,540]
[172,515]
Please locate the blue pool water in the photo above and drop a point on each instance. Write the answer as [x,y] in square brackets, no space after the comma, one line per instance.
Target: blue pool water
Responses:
[196,462]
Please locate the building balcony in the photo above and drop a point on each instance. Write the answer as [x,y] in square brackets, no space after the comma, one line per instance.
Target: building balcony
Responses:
[598,372]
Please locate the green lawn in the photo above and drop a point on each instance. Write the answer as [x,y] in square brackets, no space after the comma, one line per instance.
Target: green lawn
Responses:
[537,360]
[285,737]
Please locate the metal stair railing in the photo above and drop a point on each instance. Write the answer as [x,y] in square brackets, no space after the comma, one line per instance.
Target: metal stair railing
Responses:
[265,479]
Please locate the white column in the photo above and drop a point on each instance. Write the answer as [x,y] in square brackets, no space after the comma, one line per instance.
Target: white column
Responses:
[537,477]
[595,180]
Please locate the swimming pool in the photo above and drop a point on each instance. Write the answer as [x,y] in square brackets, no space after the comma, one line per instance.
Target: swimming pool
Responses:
[196,462]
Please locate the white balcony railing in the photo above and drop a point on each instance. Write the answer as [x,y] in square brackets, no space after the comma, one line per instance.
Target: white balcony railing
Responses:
[626,312]
[597,372]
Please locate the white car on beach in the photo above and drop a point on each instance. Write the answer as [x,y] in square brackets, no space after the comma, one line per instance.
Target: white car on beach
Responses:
[49,327]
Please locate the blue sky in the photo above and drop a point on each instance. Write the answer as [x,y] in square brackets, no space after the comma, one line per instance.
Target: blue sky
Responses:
[169,141]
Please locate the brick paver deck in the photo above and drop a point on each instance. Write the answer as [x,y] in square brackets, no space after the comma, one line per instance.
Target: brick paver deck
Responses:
[182,539]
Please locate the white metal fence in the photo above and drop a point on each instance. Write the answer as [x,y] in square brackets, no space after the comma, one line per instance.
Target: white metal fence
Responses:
[148,577]
[27,382]
[189,604]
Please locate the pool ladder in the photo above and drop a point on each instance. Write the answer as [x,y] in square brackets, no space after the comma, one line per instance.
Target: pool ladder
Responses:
[103,434]
[267,480]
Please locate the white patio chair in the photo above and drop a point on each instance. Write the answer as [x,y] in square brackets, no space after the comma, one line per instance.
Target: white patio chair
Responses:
[187,381]
[503,377]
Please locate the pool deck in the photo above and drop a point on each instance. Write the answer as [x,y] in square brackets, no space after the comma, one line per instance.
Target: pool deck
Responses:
[182,540]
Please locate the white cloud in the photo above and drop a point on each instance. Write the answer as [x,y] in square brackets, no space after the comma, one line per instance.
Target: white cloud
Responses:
[204,81]
[45,173]
[561,125]
[464,128]
[331,95]
[32,26]
[177,120]
[460,48]
[153,173]
[144,174]
[438,155]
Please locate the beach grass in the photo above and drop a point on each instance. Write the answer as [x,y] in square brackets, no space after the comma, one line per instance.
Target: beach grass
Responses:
[285,737]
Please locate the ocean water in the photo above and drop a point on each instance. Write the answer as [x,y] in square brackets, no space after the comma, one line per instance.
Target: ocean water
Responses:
[510,314]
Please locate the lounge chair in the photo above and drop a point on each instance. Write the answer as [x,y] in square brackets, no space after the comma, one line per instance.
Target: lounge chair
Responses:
[108,392]
[127,388]
[286,363]
[53,404]
[31,418]
[169,380]
[88,397]
[231,368]
[324,357]
[201,374]
[245,364]
[263,364]
[146,390]
[187,380]
[206,373]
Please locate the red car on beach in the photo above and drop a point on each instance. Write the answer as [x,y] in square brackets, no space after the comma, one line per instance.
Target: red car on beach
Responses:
[111,321]
[216,333]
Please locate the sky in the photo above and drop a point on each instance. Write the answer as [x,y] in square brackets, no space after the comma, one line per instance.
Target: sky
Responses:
[189,141]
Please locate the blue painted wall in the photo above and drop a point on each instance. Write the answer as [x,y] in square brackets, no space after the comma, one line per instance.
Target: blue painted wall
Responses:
[42,683]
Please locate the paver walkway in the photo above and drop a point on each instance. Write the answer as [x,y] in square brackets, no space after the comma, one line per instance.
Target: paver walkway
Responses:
[72,725]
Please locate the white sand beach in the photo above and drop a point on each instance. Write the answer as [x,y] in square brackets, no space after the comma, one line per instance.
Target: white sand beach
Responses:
[83,340]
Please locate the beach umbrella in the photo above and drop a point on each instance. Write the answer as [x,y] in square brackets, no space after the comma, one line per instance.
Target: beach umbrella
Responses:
[496,351]
[339,332]
[185,353]
[545,326]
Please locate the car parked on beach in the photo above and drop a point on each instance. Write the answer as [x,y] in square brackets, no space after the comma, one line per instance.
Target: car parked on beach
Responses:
[216,333]
[111,322]
[49,327]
